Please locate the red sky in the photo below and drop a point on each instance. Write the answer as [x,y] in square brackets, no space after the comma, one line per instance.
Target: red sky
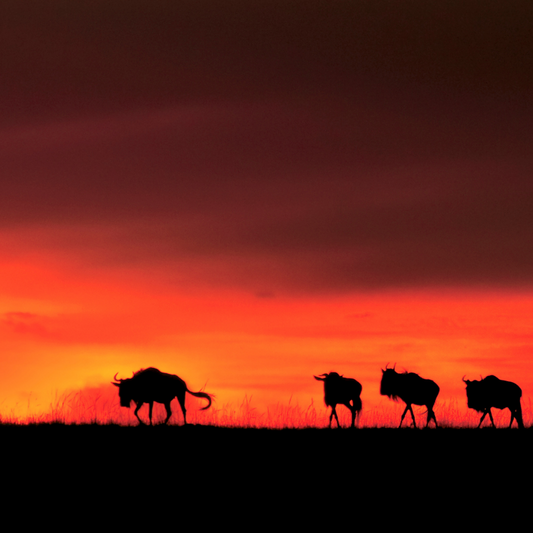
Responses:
[249,193]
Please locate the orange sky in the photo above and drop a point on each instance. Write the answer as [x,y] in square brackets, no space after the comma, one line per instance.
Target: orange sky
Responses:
[250,194]
[64,326]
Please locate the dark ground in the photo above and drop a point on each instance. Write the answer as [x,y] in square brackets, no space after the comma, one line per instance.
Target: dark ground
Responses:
[247,477]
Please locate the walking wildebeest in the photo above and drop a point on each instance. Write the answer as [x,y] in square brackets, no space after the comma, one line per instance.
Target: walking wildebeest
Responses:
[338,389]
[151,385]
[494,392]
[412,389]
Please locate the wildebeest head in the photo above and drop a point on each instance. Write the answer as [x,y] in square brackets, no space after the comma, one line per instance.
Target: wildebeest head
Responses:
[125,391]
[479,393]
[389,386]
[332,376]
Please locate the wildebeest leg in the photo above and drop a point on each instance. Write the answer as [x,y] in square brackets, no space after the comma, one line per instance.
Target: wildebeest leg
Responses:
[408,408]
[431,414]
[169,411]
[516,415]
[151,408]
[139,405]
[181,399]
[403,415]
[412,415]
[334,413]
[354,414]
[491,419]
[485,413]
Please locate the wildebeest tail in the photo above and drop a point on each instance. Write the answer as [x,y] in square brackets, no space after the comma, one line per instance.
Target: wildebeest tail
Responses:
[202,395]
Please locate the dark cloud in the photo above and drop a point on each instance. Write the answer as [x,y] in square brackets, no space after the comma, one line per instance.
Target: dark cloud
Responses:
[276,146]
[59,57]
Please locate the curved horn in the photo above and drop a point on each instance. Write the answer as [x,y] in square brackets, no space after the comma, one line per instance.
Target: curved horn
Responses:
[464,380]
[115,378]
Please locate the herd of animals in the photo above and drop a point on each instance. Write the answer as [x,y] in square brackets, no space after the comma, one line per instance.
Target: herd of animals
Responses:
[151,385]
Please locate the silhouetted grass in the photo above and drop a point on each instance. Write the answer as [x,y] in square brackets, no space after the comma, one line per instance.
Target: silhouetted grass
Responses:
[101,408]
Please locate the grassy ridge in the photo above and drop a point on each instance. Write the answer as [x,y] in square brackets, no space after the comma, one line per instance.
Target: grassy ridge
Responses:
[76,443]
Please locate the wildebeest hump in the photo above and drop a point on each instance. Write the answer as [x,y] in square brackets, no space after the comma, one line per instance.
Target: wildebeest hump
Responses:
[505,394]
[412,388]
[152,384]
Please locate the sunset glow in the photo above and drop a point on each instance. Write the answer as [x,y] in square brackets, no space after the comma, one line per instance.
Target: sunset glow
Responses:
[250,195]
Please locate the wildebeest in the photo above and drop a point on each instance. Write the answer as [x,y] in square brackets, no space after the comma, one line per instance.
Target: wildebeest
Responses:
[493,392]
[338,389]
[151,385]
[412,389]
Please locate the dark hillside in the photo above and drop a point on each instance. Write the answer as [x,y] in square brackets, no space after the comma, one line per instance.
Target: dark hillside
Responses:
[219,475]
[211,449]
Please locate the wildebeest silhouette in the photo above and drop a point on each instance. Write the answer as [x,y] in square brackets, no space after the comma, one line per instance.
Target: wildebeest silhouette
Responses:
[412,389]
[493,392]
[150,385]
[338,389]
